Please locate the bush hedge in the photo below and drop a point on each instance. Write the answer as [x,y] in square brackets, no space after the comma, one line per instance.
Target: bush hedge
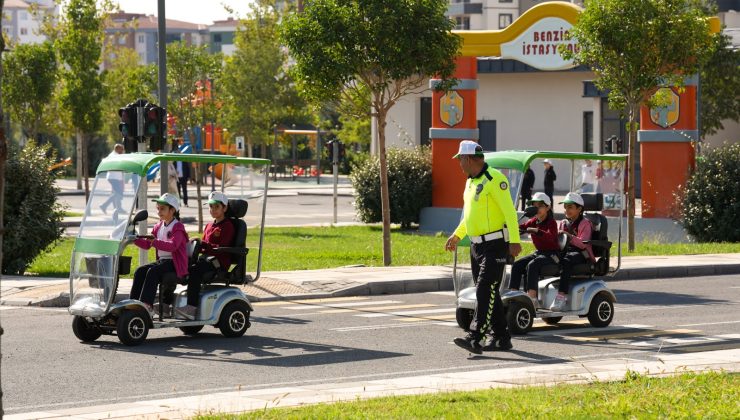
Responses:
[710,201]
[409,184]
[32,215]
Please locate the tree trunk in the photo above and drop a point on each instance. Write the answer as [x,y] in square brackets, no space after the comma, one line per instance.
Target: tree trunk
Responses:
[631,178]
[3,158]
[384,197]
[78,171]
[198,177]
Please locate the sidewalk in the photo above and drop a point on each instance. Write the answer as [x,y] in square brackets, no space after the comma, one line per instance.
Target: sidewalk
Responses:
[577,372]
[357,281]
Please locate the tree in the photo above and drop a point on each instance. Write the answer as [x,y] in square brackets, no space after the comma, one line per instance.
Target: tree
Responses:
[720,86]
[634,48]
[79,47]
[346,49]
[3,159]
[188,69]
[255,85]
[30,75]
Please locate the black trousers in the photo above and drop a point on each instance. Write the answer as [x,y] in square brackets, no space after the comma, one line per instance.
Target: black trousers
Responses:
[147,278]
[567,262]
[530,266]
[182,189]
[198,271]
[526,196]
[488,273]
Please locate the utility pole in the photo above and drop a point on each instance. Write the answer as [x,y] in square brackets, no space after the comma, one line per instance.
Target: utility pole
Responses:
[162,47]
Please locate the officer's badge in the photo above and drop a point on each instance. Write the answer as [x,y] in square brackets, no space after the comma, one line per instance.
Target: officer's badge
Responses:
[503,185]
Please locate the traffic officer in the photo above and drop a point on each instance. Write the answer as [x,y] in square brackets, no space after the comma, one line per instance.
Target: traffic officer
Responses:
[487,212]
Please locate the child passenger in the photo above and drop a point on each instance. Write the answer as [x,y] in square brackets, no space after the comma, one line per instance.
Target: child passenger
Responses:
[218,233]
[170,240]
[544,234]
[578,229]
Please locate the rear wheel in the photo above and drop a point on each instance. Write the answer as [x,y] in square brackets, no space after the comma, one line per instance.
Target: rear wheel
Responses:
[133,327]
[464,318]
[519,317]
[191,330]
[84,330]
[234,319]
[553,320]
[601,311]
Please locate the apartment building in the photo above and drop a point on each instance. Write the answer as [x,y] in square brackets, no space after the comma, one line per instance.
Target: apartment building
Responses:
[20,26]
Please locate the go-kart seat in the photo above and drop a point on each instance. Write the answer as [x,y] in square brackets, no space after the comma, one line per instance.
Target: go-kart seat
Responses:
[237,275]
[592,203]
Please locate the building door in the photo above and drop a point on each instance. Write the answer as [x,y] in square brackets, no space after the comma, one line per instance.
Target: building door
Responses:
[487,132]
[425,121]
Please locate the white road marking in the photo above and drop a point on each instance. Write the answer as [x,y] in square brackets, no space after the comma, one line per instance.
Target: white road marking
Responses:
[298,307]
[404,313]
[379,326]
[708,323]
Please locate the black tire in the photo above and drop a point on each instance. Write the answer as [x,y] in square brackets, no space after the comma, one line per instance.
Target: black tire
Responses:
[234,319]
[191,330]
[464,318]
[519,317]
[601,311]
[553,320]
[133,327]
[85,331]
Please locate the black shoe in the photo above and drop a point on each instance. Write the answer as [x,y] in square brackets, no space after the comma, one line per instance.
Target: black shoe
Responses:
[499,344]
[470,342]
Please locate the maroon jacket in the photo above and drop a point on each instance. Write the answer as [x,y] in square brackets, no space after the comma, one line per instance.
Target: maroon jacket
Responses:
[546,238]
[216,235]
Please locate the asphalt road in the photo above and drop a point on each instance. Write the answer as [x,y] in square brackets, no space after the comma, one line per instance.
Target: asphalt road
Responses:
[45,367]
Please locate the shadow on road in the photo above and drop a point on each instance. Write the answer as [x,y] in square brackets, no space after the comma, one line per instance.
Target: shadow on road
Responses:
[631,297]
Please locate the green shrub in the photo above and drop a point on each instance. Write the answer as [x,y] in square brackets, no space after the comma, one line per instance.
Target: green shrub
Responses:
[711,198]
[32,215]
[409,184]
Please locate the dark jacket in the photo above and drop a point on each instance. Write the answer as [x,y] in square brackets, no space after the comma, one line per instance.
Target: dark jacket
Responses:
[550,178]
[528,183]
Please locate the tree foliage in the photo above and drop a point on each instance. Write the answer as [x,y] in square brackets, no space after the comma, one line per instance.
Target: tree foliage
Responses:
[634,48]
[31,209]
[720,86]
[29,79]
[711,198]
[348,50]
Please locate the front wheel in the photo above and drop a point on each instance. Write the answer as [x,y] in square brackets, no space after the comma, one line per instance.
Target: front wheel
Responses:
[133,327]
[601,311]
[234,319]
[85,331]
[464,318]
[519,317]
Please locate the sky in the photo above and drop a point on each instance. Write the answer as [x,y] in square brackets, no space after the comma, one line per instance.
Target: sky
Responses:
[193,11]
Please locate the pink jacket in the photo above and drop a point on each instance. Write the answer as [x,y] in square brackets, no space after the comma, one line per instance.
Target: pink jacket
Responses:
[583,234]
[177,245]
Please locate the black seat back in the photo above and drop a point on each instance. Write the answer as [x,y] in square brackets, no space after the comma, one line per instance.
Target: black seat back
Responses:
[236,211]
[594,202]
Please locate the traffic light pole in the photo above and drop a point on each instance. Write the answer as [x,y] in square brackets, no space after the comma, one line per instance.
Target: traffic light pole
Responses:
[162,73]
[335,165]
[142,230]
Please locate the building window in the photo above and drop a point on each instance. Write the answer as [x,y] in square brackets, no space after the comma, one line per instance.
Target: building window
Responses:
[141,39]
[505,1]
[122,40]
[588,132]
[504,20]
[462,23]
[24,31]
[23,15]
[216,37]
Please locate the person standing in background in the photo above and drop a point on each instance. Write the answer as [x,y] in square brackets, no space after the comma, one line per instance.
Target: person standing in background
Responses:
[550,178]
[183,176]
[527,187]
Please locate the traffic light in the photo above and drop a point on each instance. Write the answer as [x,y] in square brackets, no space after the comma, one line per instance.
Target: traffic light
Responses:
[342,153]
[330,150]
[153,126]
[127,126]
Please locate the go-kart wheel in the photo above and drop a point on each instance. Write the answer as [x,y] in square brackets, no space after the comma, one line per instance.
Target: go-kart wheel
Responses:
[553,320]
[191,330]
[519,317]
[133,327]
[464,318]
[234,319]
[84,330]
[601,311]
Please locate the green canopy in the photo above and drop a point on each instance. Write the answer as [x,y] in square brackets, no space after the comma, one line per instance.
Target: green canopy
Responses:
[520,159]
[139,163]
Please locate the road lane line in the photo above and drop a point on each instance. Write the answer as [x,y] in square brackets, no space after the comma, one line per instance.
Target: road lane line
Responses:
[378,309]
[651,333]
[708,323]
[339,305]
[429,318]
[310,301]
[378,327]
[404,313]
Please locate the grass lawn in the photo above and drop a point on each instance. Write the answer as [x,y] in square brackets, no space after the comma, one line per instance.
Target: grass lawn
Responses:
[327,247]
[706,396]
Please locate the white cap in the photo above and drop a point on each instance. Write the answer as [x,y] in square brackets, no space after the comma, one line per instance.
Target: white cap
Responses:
[170,199]
[218,197]
[573,198]
[469,148]
[540,196]
[547,161]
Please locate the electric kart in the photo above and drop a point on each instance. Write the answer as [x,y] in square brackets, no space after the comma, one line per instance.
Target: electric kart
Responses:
[98,258]
[600,180]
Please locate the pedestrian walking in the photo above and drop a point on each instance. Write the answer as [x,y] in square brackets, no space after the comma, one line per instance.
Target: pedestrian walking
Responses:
[550,178]
[115,179]
[489,219]
[527,187]
[183,176]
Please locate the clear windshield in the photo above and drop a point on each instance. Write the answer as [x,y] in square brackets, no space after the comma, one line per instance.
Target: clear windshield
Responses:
[93,281]
[111,200]
[515,181]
